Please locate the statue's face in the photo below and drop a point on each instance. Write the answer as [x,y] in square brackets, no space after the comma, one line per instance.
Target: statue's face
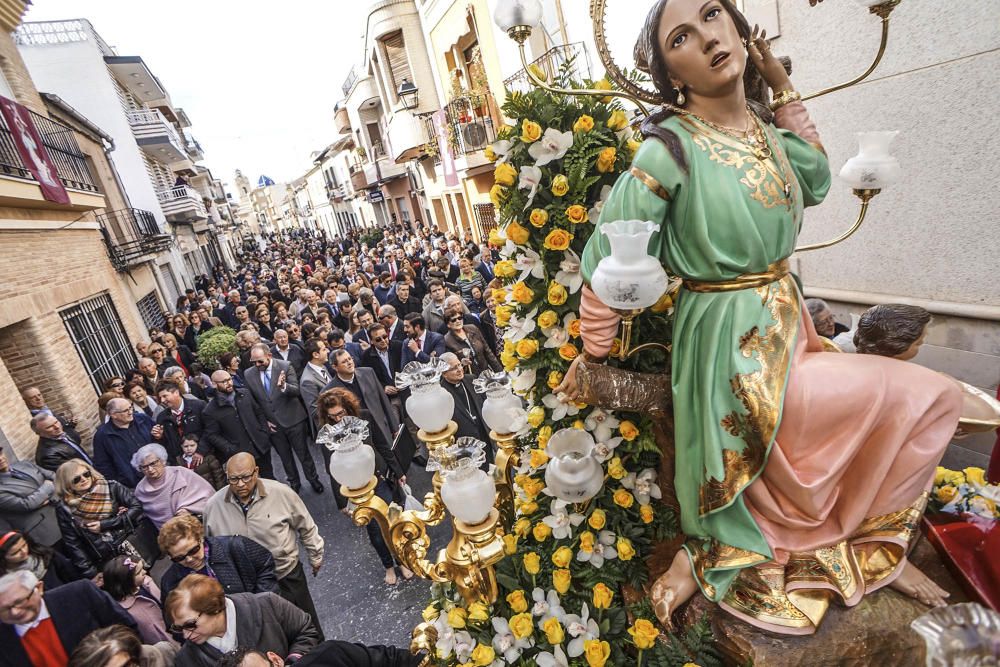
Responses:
[701,47]
[914,347]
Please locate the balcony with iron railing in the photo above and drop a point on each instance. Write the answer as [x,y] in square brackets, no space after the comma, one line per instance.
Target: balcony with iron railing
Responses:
[182,205]
[473,120]
[63,151]
[131,235]
[157,135]
[551,63]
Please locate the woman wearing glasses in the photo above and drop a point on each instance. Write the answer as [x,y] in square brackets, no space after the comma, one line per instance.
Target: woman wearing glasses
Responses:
[168,491]
[115,385]
[467,342]
[96,515]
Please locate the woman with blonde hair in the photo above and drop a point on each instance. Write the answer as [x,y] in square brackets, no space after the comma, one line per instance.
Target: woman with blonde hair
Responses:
[183,331]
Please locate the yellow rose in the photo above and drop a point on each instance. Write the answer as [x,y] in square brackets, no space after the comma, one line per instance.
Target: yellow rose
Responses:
[528,507]
[554,631]
[945,494]
[568,352]
[544,434]
[535,416]
[576,214]
[496,196]
[522,293]
[555,377]
[531,562]
[561,579]
[562,557]
[509,544]
[606,159]
[502,315]
[579,425]
[615,468]
[587,541]
[490,154]
[628,430]
[517,602]
[598,519]
[527,347]
[633,146]
[596,652]
[456,618]
[623,498]
[624,548]
[538,217]
[478,612]
[508,360]
[560,185]
[541,531]
[517,233]
[646,513]
[504,175]
[430,612]
[538,458]
[538,72]
[483,655]
[532,487]
[557,239]
[530,131]
[547,319]
[691,664]
[522,527]
[975,476]
[604,84]
[504,269]
[583,124]
[574,328]
[602,596]
[663,304]
[644,634]
[617,120]
[494,238]
[557,294]
[521,626]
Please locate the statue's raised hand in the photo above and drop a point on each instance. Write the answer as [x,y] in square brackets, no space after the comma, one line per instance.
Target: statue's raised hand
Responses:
[766,63]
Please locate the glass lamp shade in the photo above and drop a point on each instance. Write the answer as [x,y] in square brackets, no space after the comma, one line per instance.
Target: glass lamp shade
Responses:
[511,13]
[502,410]
[352,461]
[467,491]
[629,278]
[429,405]
[573,474]
[873,168]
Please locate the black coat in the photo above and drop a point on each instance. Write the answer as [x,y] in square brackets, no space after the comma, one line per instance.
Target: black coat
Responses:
[228,429]
[86,550]
[295,356]
[77,609]
[469,423]
[336,653]
[50,454]
[191,420]
[240,564]
[370,359]
[412,305]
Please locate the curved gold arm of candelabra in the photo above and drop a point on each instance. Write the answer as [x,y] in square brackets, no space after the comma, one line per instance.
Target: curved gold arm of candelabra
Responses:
[865,196]
[508,458]
[636,93]
[882,11]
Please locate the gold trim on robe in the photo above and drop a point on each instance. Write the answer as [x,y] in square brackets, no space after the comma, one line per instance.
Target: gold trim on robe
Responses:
[650,182]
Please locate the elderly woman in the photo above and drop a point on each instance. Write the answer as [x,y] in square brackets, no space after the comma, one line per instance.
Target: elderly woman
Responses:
[141,401]
[168,491]
[99,518]
[468,343]
[239,563]
[213,623]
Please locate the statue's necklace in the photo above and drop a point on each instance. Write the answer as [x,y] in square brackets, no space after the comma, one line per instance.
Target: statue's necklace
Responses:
[752,135]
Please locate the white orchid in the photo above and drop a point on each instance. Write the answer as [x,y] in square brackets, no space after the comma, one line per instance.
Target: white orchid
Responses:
[445,636]
[560,521]
[556,337]
[569,275]
[523,379]
[529,178]
[605,450]
[643,486]
[594,214]
[529,263]
[505,643]
[464,643]
[552,146]
[581,628]
[559,408]
[520,327]
[555,659]
[501,149]
[601,423]
[509,247]
[546,605]
[603,550]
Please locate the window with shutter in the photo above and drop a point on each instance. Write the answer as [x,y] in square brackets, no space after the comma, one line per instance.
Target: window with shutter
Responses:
[395,57]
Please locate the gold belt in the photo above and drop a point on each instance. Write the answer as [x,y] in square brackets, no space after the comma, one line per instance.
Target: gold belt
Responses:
[775,271]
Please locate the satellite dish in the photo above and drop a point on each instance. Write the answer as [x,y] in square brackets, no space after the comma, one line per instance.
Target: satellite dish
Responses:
[474,135]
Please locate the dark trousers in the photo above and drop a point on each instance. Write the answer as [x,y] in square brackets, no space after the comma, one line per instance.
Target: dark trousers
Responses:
[294,588]
[263,462]
[295,439]
[383,491]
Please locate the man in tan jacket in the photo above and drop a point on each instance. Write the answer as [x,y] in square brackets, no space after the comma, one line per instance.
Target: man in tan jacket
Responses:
[274,516]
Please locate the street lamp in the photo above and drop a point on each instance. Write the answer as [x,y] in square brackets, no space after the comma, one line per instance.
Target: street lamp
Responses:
[408,94]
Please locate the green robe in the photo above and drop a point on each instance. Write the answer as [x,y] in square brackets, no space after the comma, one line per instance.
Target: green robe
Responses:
[727,215]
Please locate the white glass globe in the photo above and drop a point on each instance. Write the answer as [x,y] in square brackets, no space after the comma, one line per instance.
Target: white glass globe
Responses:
[510,13]
[469,494]
[873,168]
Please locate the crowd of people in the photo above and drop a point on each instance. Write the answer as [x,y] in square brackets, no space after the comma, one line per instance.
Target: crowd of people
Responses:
[181,468]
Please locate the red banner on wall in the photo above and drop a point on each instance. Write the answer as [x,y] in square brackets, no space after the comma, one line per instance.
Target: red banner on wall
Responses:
[32,150]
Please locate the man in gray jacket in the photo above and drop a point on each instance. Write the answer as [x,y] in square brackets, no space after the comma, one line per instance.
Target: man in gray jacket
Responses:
[26,500]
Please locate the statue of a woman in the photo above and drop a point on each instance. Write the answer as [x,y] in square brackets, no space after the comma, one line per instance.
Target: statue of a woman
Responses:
[801,474]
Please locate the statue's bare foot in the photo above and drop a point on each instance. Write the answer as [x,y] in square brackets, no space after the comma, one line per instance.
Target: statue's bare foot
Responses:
[911,581]
[673,588]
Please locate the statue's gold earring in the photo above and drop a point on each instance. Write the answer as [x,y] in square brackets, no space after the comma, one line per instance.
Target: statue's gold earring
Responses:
[680,96]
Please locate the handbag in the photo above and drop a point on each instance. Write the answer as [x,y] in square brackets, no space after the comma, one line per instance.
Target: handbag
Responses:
[139,541]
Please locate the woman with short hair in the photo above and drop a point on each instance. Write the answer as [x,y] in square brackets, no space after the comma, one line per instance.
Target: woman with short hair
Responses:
[166,491]
[142,401]
[468,343]
[117,645]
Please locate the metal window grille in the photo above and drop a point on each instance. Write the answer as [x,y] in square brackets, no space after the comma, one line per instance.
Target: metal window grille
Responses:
[149,309]
[486,218]
[99,338]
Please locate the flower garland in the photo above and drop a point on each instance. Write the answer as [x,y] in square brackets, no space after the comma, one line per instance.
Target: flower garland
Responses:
[965,492]
[561,601]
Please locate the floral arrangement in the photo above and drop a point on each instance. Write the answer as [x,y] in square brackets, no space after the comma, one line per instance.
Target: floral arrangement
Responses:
[965,492]
[561,601]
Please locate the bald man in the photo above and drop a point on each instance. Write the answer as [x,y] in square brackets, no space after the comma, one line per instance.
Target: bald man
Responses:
[118,439]
[273,515]
[233,422]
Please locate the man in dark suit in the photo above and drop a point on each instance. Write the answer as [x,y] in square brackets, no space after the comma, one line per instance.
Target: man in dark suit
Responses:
[315,375]
[422,344]
[274,384]
[404,302]
[118,439]
[180,416]
[233,422]
[26,500]
[39,628]
[385,357]
[388,318]
[468,404]
[363,383]
[335,340]
[55,446]
[228,312]
[285,351]
[35,401]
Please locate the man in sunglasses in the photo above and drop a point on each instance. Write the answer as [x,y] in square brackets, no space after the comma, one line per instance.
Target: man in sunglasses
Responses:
[118,439]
